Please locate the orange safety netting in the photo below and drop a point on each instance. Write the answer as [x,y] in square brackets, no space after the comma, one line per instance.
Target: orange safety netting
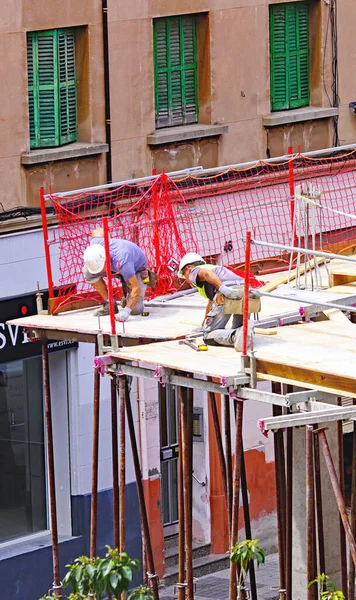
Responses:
[209,214]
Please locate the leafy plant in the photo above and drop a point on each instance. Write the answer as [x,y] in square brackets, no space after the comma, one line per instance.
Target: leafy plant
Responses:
[243,554]
[141,593]
[100,577]
[327,588]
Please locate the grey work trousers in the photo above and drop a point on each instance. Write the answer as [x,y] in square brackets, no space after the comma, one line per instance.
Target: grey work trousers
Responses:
[214,332]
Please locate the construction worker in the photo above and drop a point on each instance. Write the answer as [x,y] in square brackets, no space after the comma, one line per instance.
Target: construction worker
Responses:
[128,262]
[214,283]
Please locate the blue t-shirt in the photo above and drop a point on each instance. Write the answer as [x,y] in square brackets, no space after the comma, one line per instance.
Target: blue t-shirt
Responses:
[126,257]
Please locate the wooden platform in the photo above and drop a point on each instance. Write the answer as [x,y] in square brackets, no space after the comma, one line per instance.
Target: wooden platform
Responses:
[320,355]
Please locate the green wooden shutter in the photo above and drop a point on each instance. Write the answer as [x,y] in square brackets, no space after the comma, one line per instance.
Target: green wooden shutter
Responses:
[67,87]
[175,64]
[43,89]
[289,55]
[190,70]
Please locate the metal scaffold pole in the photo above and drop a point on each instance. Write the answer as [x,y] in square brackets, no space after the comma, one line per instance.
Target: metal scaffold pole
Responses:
[152,576]
[280,497]
[351,593]
[236,494]
[115,462]
[122,464]
[95,461]
[181,531]
[227,427]
[57,586]
[187,483]
[310,504]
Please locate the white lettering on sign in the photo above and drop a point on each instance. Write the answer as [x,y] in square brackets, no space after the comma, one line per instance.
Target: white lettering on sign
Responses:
[13,332]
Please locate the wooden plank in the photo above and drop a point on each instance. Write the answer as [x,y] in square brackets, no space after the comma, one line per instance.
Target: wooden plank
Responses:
[337,278]
[336,315]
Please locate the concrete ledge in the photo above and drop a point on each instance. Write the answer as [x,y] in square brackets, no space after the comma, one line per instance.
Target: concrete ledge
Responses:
[75,150]
[184,132]
[297,115]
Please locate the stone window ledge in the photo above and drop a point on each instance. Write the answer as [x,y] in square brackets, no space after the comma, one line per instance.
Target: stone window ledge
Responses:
[298,115]
[169,135]
[76,150]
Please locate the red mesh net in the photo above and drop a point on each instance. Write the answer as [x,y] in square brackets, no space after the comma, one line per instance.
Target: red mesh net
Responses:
[209,214]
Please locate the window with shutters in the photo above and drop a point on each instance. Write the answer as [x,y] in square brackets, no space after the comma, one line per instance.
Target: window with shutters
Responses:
[52,88]
[175,71]
[289,55]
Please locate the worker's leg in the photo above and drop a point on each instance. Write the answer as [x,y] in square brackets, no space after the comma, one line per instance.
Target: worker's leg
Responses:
[220,337]
[139,306]
[216,318]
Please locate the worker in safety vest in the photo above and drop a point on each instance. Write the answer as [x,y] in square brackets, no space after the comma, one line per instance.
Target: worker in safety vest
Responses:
[214,283]
[128,262]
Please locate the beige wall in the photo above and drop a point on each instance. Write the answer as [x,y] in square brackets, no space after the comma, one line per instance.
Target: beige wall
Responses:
[18,183]
[233,87]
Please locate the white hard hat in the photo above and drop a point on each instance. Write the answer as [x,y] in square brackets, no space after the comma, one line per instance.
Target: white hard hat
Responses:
[94,258]
[189,259]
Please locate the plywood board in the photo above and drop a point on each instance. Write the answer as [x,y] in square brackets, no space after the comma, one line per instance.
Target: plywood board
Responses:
[319,355]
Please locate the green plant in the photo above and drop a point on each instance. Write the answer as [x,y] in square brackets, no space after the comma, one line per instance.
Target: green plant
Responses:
[243,553]
[97,578]
[141,593]
[327,588]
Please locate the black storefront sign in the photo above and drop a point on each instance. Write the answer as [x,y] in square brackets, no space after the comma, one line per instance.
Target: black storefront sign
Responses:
[14,343]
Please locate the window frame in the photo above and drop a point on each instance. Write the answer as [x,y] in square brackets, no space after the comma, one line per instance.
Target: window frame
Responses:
[186,68]
[62,115]
[296,51]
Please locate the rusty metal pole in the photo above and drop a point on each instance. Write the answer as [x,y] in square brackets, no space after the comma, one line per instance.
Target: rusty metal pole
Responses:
[57,586]
[280,494]
[337,490]
[310,533]
[122,464]
[152,576]
[187,476]
[353,514]
[319,506]
[236,494]
[95,461]
[115,462]
[227,429]
[219,443]
[181,534]
[340,457]
[248,532]
[289,510]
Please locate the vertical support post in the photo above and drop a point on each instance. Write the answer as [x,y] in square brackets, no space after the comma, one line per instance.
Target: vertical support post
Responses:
[319,506]
[109,275]
[248,532]
[246,293]
[181,531]
[236,493]
[351,593]
[95,461]
[337,491]
[310,533]
[46,245]
[291,191]
[227,427]
[115,462]
[340,456]
[218,439]
[280,496]
[152,577]
[51,477]
[289,506]
[122,464]
[187,475]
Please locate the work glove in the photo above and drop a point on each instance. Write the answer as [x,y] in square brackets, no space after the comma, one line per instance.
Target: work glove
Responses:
[254,294]
[232,293]
[124,314]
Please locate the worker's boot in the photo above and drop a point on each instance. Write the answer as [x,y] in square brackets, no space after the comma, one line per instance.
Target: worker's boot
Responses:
[239,338]
[104,310]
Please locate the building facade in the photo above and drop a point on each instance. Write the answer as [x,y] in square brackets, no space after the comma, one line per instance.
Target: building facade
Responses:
[97,90]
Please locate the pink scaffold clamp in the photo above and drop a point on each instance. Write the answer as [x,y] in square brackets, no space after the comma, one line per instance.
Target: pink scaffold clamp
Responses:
[261,426]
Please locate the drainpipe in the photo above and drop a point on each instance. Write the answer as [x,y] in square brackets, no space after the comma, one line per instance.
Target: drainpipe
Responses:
[107,90]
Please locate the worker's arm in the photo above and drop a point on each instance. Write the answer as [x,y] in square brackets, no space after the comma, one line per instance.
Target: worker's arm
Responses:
[135,291]
[207,310]
[211,277]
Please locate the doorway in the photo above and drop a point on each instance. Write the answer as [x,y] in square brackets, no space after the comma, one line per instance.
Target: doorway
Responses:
[168,403]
